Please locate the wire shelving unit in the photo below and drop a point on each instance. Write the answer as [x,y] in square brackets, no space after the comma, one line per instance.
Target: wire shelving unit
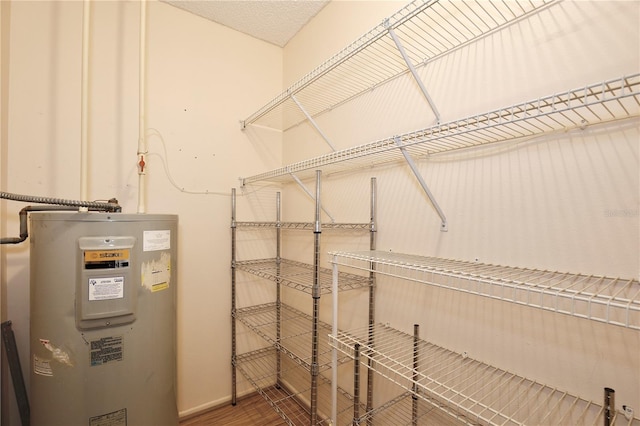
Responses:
[600,102]
[291,372]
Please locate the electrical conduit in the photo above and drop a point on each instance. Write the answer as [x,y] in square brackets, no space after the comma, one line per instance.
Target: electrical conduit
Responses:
[55,205]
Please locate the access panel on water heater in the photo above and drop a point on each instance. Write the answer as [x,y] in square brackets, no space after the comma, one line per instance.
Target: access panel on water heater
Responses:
[105,294]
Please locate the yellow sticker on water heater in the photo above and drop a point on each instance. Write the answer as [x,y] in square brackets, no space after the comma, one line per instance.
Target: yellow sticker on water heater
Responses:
[99,255]
[155,275]
[106,259]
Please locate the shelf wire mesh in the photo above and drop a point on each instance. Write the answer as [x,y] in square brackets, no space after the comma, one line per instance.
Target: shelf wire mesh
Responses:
[260,369]
[606,101]
[299,276]
[295,335]
[287,390]
[466,389]
[304,225]
[613,301]
[427,29]
[398,412]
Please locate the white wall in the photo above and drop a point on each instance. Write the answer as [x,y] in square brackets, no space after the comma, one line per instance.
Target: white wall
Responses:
[201,77]
[4,372]
[545,202]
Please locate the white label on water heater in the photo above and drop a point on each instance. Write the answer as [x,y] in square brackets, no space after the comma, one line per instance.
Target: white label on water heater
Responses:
[106,288]
[116,418]
[156,240]
[42,366]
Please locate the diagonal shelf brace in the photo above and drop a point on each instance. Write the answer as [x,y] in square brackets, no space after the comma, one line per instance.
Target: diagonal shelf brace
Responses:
[313,122]
[416,77]
[423,184]
[306,190]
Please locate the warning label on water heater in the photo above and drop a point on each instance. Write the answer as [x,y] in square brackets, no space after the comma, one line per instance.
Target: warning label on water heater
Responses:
[156,240]
[106,288]
[116,418]
[106,349]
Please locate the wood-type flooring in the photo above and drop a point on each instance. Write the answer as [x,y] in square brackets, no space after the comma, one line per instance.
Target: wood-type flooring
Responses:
[252,410]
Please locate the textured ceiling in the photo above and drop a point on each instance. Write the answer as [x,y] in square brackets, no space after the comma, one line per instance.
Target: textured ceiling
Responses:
[274,21]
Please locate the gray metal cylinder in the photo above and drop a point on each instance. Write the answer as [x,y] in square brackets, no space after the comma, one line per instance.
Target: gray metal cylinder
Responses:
[103,319]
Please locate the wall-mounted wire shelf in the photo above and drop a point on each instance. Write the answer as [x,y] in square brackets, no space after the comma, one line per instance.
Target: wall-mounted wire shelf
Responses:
[613,301]
[299,276]
[596,103]
[427,30]
[466,389]
[295,332]
[291,402]
[305,226]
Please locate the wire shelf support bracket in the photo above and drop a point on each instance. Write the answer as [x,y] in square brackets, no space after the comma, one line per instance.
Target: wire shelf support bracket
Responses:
[412,69]
[308,192]
[313,122]
[423,184]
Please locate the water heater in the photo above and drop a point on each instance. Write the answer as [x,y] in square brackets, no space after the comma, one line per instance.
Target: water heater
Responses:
[103,319]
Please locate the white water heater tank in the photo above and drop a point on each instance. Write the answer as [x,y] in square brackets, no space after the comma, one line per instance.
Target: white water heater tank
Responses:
[103,319]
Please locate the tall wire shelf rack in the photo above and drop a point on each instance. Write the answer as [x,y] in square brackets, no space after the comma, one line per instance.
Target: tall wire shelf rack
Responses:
[292,372]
